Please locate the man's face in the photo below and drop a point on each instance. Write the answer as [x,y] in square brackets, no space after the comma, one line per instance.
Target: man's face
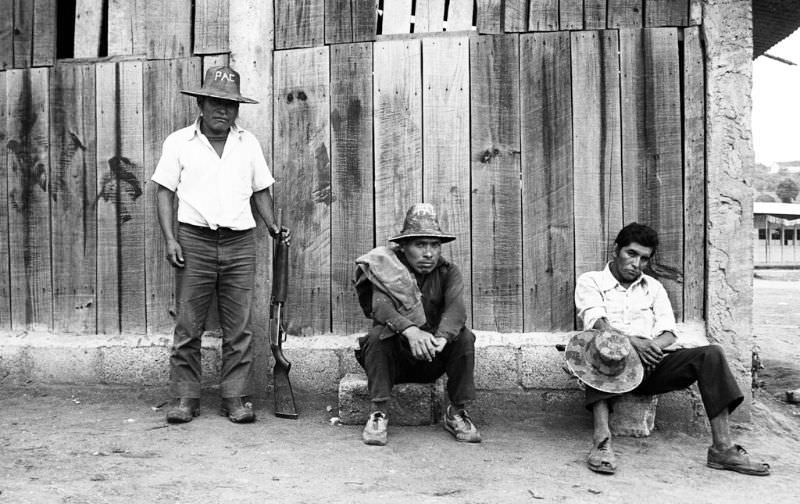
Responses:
[422,253]
[218,115]
[629,261]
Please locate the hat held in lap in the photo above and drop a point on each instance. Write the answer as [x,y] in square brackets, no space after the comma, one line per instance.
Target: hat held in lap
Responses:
[605,361]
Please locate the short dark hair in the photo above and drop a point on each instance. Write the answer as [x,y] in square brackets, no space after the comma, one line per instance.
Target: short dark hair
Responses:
[638,233]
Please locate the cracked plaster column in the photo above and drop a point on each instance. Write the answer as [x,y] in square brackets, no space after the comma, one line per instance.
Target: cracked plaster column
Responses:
[728,37]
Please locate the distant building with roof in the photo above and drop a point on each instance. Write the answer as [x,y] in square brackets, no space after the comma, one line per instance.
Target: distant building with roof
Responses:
[780,222]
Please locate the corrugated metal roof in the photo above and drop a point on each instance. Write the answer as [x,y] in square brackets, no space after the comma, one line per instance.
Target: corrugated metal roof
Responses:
[773,21]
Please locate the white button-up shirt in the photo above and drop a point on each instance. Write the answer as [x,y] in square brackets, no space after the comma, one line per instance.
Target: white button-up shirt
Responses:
[643,309]
[213,191]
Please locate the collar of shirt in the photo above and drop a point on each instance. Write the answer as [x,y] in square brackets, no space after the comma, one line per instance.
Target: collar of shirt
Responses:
[608,281]
[194,131]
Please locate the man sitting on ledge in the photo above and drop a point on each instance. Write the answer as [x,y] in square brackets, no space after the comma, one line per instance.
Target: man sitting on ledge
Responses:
[628,311]
[414,297]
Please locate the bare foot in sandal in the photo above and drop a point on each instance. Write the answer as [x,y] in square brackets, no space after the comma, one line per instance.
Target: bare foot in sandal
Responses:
[601,458]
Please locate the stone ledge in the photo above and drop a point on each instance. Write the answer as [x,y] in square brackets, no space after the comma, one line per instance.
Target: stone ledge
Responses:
[411,403]
[525,366]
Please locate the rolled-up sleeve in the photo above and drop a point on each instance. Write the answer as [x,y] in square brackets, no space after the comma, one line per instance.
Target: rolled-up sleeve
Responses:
[168,169]
[589,301]
[663,317]
[262,176]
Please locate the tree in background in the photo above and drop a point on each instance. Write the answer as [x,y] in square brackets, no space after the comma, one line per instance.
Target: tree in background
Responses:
[787,190]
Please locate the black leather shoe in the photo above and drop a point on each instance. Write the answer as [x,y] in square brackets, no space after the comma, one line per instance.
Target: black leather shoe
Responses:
[236,410]
[184,410]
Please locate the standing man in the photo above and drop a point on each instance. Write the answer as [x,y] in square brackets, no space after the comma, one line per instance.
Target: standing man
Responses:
[631,316]
[414,297]
[215,168]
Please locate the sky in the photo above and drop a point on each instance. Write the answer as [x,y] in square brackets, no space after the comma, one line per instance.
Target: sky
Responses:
[776,104]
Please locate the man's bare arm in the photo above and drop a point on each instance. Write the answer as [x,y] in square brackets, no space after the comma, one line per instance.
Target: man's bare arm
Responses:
[164,200]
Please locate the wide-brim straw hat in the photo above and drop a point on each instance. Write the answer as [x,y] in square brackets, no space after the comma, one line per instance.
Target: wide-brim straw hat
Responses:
[220,82]
[421,222]
[605,361]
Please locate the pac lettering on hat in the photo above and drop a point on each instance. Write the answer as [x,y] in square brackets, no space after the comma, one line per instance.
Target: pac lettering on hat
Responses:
[224,76]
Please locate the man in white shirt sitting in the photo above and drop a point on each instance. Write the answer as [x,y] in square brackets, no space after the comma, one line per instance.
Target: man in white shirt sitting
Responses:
[631,315]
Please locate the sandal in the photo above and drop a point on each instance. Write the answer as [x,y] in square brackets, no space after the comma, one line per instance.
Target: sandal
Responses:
[735,459]
[601,458]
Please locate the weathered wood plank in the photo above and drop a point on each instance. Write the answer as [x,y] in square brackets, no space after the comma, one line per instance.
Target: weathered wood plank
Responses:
[168,28]
[214,60]
[5,273]
[365,20]
[88,25]
[634,134]
[352,188]
[596,147]
[515,15]
[299,23]
[165,110]
[126,27]
[445,164]
[625,14]
[73,188]
[429,16]
[490,16]
[338,22]
[44,33]
[547,206]
[350,21]
[694,176]
[6,35]
[211,26]
[396,17]
[398,133]
[594,14]
[302,164]
[23,33]
[666,13]
[459,15]
[543,15]
[695,12]
[120,205]
[651,134]
[28,163]
[570,14]
[496,201]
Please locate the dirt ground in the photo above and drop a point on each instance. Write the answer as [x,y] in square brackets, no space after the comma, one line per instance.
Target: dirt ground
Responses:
[101,445]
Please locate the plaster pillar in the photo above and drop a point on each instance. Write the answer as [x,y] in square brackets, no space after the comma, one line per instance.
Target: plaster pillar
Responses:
[728,38]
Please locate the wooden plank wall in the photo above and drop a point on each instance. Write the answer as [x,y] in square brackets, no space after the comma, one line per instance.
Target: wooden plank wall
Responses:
[523,129]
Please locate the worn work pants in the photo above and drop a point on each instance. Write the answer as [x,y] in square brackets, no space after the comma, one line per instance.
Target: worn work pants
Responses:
[389,361]
[221,261]
[706,365]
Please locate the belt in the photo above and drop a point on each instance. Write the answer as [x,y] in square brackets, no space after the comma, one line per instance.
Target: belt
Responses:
[220,231]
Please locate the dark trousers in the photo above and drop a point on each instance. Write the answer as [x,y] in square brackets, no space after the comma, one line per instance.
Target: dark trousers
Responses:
[389,361]
[222,262]
[705,365]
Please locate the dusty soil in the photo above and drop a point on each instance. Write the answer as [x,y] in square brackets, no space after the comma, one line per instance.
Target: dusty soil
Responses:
[101,445]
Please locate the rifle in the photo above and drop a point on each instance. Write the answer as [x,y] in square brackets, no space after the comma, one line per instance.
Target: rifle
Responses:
[282,388]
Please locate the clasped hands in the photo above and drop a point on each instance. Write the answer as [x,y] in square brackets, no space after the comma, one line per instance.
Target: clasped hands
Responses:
[424,345]
[649,351]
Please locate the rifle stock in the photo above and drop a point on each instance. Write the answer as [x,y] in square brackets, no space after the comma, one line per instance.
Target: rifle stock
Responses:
[282,393]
